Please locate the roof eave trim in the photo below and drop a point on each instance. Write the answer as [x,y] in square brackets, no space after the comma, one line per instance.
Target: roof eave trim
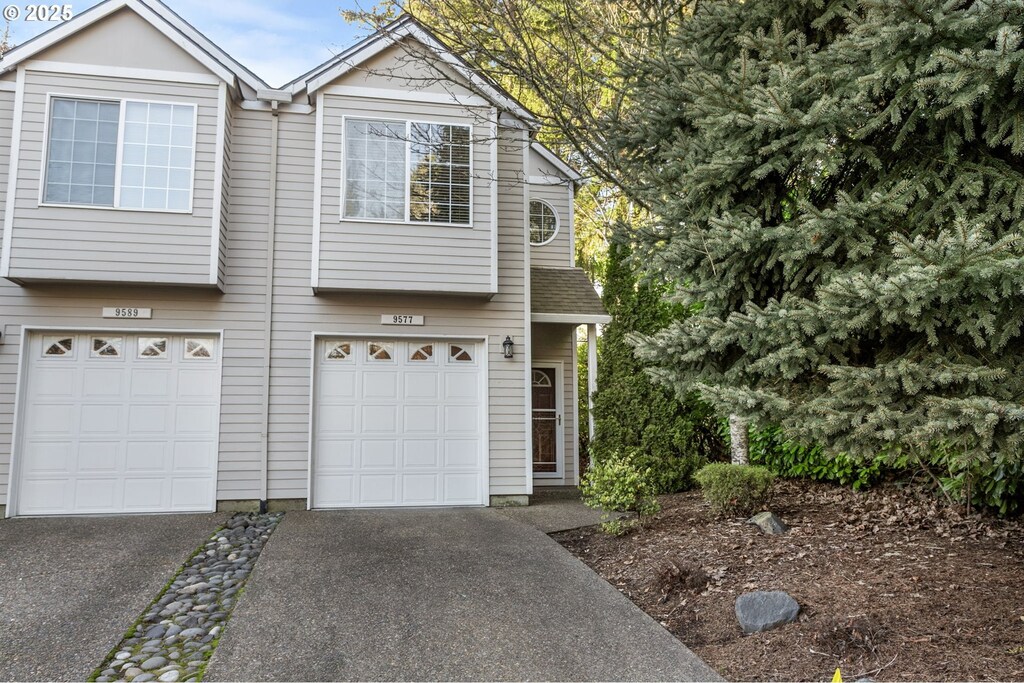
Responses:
[571,318]
[556,161]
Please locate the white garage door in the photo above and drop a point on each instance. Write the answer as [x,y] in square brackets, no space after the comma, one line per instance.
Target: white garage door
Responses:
[119,423]
[398,422]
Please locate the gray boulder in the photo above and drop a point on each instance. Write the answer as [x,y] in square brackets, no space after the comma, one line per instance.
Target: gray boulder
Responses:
[768,523]
[764,610]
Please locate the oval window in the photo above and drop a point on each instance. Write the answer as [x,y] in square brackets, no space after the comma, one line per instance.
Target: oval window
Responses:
[543,222]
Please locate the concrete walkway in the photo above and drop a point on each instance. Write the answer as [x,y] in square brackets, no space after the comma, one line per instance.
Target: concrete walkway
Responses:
[435,595]
[71,587]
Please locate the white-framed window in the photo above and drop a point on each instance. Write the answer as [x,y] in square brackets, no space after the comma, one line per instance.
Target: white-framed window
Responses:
[543,222]
[421,353]
[407,171]
[380,351]
[122,154]
[459,354]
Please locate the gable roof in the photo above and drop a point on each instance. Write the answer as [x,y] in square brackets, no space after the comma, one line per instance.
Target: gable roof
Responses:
[162,18]
[408,27]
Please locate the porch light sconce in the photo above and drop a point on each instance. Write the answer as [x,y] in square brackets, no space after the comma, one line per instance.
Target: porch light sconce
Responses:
[507,346]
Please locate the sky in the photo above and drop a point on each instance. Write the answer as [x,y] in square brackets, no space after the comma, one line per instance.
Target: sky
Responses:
[279,40]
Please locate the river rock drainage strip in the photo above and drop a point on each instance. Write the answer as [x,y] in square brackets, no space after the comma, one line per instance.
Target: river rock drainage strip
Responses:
[175,637]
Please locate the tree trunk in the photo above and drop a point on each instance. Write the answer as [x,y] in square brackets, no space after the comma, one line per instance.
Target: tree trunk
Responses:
[739,439]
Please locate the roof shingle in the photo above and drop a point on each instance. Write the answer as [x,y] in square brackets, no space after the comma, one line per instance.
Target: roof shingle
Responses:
[563,290]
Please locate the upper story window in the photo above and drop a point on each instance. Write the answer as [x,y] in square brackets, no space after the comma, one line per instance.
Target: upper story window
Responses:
[543,222]
[407,171]
[122,154]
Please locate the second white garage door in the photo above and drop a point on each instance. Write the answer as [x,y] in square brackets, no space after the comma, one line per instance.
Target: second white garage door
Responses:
[398,423]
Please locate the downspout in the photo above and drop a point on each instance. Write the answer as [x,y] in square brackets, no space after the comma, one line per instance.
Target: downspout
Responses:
[268,315]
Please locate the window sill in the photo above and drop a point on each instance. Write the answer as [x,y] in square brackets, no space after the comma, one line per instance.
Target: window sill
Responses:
[43,205]
[385,221]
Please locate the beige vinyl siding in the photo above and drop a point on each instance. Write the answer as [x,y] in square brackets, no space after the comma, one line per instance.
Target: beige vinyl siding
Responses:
[298,315]
[92,244]
[239,311]
[6,121]
[123,33]
[555,343]
[558,252]
[408,67]
[363,255]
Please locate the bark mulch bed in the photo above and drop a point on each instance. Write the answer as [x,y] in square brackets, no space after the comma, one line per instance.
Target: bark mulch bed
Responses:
[892,585]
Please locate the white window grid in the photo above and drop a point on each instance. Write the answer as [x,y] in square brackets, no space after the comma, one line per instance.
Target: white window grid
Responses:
[175,160]
[544,218]
[465,172]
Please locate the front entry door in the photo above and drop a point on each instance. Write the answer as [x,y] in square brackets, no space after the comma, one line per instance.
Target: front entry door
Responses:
[547,418]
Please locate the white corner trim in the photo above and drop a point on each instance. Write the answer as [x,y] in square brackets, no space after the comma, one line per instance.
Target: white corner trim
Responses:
[527,329]
[218,181]
[318,190]
[312,410]
[571,318]
[12,177]
[572,227]
[14,468]
[577,475]
[122,72]
[494,200]
[405,95]
[7,86]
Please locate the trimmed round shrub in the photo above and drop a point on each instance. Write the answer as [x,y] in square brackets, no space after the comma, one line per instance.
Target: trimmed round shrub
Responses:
[735,490]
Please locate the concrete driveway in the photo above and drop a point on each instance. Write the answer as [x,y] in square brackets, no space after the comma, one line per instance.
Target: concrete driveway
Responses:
[435,595]
[71,587]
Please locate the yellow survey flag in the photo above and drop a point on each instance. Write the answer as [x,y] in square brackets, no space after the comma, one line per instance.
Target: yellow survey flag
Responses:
[837,677]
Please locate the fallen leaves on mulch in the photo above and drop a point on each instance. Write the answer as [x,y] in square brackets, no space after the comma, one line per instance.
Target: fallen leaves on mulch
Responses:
[893,585]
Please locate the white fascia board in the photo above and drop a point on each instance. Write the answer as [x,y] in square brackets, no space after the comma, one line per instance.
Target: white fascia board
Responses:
[553,159]
[570,318]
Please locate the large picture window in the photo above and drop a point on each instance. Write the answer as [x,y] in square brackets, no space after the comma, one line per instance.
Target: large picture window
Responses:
[156,142]
[407,171]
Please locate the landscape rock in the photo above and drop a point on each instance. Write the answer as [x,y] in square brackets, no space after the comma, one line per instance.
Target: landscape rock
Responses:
[764,610]
[768,523]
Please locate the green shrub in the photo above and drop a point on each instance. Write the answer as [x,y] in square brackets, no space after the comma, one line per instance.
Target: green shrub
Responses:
[617,483]
[735,490]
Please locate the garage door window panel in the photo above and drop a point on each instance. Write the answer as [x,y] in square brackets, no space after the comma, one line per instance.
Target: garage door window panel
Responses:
[421,353]
[152,347]
[58,346]
[199,348]
[338,351]
[106,347]
[459,354]
[381,351]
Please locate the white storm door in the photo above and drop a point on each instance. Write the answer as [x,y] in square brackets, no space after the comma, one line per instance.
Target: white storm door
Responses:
[119,423]
[398,423]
